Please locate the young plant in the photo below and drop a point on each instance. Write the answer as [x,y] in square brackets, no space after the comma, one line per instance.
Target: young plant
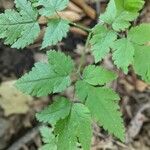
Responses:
[71,120]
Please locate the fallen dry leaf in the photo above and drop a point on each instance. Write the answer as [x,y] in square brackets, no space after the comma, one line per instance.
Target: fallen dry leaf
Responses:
[75,8]
[141,86]
[87,9]
[6,4]
[67,14]
[70,15]
[12,100]
[78,31]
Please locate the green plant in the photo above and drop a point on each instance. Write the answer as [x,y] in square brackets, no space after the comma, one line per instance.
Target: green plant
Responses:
[71,120]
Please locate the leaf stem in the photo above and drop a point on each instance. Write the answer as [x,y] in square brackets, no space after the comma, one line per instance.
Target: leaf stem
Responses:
[75,24]
[80,26]
[83,54]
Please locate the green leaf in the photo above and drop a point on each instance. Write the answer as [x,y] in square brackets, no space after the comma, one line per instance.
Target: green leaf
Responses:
[44,80]
[61,64]
[141,62]
[133,5]
[101,41]
[103,105]
[48,139]
[96,75]
[56,111]
[57,29]
[81,90]
[137,32]
[92,75]
[122,21]
[19,29]
[120,13]
[65,135]
[142,52]
[50,7]
[101,101]
[76,125]
[110,14]
[26,10]
[123,53]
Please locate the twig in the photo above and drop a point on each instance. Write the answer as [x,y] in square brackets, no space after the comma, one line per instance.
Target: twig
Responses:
[86,8]
[80,27]
[98,7]
[112,140]
[25,139]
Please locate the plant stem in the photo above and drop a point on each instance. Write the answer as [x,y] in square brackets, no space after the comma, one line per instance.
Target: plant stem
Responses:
[83,54]
[80,27]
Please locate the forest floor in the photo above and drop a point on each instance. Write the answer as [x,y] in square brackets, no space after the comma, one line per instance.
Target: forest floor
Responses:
[19,129]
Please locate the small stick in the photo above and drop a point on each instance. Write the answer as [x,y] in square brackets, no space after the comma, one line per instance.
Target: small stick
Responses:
[25,139]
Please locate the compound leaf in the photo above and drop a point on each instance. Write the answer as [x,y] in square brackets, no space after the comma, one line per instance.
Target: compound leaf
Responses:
[101,101]
[103,105]
[50,7]
[57,29]
[137,32]
[101,41]
[44,80]
[76,125]
[141,62]
[120,13]
[56,111]
[48,139]
[96,75]
[123,53]
[93,75]
[19,28]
